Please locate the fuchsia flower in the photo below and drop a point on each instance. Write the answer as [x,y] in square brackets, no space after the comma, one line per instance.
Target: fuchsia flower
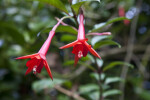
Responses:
[38,60]
[80,46]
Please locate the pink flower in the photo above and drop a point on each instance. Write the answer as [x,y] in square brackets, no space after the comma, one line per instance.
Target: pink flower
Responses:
[80,46]
[38,60]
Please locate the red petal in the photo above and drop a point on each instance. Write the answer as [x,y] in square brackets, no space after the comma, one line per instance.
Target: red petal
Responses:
[76,59]
[30,62]
[28,56]
[77,48]
[39,68]
[48,69]
[85,51]
[69,45]
[92,50]
[30,68]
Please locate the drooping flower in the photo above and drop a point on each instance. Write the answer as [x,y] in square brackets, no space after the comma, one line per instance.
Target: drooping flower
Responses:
[80,46]
[38,60]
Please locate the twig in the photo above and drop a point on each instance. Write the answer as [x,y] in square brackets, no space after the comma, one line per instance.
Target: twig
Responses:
[68,93]
[65,23]
[129,49]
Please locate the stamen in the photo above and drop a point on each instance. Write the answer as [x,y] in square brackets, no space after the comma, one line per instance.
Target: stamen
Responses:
[34,69]
[80,54]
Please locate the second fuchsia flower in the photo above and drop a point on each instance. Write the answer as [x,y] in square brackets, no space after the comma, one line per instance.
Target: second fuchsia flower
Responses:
[80,46]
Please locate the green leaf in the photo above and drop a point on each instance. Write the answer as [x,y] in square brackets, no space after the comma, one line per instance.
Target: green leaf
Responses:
[96,39]
[96,76]
[46,83]
[68,38]
[77,6]
[94,95]
[56,3]
[98,27]
[113,64]
[61,28]
[112,80]
[111,92]
[106,42]
[84,89]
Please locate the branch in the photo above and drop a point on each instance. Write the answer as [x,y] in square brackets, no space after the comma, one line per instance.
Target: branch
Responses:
[68,93]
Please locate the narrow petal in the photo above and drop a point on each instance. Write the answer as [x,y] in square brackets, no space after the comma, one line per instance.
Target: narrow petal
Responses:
[69,45]
[28,56]
[48,69]
[76,59]
[29,70]
[92,50]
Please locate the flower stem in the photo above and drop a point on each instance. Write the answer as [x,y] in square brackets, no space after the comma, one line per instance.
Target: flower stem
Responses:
[54,28]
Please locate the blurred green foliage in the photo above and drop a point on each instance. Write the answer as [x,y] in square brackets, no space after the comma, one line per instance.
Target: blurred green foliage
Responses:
[24,26]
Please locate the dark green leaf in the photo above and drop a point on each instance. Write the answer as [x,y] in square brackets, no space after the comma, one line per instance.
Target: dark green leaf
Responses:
[101,25]
[113,64]
[56,3]
[68,38]
[106,42]
[61,28]
[77,6]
